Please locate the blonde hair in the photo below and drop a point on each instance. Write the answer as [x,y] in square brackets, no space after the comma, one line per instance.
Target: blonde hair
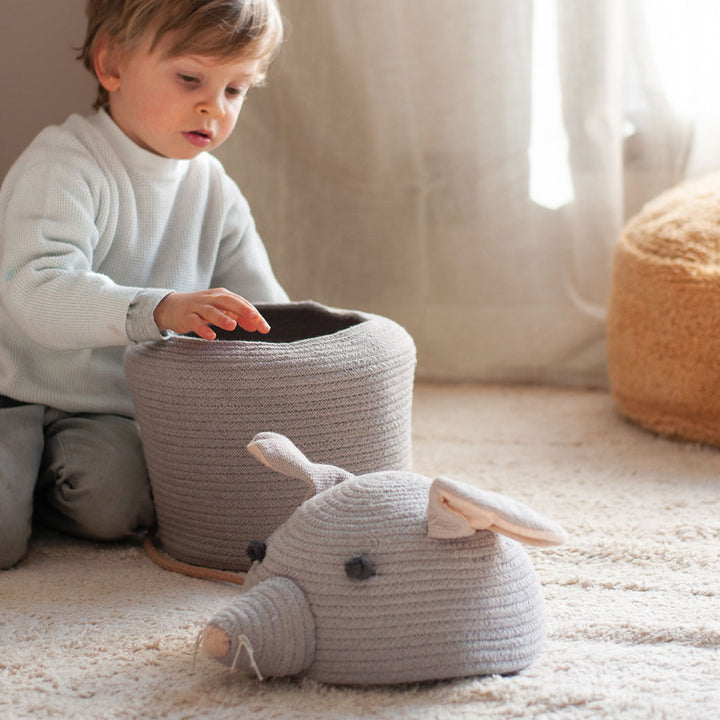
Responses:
[215,28]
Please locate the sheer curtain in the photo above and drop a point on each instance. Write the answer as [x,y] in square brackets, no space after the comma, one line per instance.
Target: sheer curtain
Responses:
[466,167]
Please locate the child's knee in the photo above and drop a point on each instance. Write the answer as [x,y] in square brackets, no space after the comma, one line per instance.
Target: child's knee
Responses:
[115,521]
[95,482]
[13,544]
[110,508]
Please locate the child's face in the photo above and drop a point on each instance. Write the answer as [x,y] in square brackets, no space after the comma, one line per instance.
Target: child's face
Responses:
[178,106]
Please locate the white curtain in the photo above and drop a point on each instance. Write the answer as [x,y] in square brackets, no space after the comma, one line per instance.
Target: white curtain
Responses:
[466,167]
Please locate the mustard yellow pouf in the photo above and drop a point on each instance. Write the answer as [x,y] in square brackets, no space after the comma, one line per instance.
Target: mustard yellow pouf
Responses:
[663,330]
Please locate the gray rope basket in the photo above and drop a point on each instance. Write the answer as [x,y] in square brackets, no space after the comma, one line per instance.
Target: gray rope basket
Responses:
[337,382]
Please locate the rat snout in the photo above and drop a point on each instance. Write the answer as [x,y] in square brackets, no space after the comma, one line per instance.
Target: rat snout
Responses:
[270,630]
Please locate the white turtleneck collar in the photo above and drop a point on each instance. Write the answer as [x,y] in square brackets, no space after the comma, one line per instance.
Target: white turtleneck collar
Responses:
[133,156]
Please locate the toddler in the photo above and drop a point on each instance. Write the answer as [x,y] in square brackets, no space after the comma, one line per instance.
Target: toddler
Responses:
[119,228]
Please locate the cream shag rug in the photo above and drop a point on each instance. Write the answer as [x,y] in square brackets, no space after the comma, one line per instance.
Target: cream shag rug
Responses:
[98,631]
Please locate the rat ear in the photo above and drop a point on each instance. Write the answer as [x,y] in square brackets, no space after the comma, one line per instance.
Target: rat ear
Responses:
[280,454]
[457,510]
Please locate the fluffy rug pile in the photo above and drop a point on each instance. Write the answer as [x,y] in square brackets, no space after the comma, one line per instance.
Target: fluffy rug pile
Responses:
[98,631]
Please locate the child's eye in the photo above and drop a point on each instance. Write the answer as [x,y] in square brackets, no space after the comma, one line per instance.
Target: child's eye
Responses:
[189,79]
[236,92]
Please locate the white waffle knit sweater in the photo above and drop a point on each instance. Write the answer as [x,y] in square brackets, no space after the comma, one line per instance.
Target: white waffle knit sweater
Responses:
[94,232]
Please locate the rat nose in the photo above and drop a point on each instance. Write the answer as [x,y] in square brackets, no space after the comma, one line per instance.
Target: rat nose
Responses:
[270,629]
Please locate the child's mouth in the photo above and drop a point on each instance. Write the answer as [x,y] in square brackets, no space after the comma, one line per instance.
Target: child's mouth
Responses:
[199,138]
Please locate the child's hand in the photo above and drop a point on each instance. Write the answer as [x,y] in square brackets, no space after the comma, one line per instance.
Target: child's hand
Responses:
[194,311]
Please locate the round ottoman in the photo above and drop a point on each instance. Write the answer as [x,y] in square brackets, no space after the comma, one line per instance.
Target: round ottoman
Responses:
[663,333]
[338,383]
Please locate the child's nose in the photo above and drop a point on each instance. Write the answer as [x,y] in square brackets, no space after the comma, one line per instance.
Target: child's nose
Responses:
[212,107]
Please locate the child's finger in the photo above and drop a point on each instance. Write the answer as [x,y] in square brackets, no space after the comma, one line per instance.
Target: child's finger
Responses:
[250,319]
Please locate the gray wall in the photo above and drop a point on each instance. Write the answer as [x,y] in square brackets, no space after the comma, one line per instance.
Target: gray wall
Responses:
[42,83]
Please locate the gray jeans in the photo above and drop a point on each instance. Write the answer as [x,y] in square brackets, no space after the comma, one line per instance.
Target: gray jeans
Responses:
[82,474]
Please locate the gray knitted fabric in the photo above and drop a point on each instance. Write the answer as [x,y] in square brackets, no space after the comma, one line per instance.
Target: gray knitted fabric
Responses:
[339,382]
[357,587]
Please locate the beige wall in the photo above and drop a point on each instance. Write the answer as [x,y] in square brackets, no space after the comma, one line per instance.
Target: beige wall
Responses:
[42,83]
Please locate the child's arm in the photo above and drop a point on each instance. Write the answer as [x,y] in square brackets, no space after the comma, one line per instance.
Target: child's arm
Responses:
[50,235]
[194,311]
[242,263]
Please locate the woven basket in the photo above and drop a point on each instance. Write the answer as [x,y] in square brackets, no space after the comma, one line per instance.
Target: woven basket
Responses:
[339,383]
[663,320]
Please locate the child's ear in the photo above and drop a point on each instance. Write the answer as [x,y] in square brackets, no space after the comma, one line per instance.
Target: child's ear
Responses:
[106,60]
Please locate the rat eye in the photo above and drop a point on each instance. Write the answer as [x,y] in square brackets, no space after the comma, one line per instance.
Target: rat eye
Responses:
[256,550]
[359,567]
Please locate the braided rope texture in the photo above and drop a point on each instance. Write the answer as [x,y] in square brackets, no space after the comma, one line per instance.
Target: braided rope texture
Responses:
[433,609]
[338,382]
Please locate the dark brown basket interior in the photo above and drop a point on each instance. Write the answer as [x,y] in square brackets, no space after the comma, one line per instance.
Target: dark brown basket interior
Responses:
[291,322]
